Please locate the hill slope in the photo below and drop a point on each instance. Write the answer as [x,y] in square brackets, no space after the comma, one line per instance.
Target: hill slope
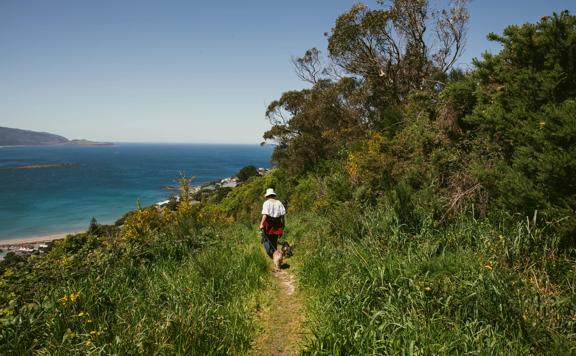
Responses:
[11,137]
[18,137]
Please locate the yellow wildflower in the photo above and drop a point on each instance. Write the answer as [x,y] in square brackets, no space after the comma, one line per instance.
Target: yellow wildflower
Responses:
[74,296]
[88,343]
[489,266]
[81,314]
[89,321]
[69,334]
[427,289]
[63,300]
[93,332]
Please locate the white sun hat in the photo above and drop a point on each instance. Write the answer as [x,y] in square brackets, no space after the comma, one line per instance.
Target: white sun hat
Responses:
[269,192]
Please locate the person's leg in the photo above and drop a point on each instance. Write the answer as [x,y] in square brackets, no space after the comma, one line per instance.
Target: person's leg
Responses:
[268,247]
[274,241]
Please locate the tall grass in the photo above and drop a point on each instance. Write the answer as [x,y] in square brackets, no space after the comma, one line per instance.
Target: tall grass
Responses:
[473,287]
[169,300]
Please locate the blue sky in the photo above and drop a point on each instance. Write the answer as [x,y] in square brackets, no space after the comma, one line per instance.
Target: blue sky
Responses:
[176,71]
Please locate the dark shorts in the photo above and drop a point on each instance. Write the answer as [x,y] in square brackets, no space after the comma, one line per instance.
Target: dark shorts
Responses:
[270,243]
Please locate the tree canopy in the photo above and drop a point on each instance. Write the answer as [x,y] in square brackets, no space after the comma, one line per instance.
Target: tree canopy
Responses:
[388,103]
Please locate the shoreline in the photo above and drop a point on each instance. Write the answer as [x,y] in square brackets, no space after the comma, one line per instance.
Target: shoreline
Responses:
[36,239]
[210,186]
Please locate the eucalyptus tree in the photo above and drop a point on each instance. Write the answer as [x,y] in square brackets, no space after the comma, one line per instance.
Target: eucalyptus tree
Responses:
[404,45]
[376,57]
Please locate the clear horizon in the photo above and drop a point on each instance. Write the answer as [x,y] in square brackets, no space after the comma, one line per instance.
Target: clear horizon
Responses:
[177,72]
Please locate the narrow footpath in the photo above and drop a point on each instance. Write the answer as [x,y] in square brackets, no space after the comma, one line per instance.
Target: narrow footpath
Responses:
[280,318]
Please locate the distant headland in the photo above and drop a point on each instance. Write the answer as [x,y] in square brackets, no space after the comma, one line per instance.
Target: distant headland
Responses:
[18,137]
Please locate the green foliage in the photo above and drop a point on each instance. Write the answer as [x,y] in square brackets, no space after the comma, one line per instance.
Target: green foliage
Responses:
[306,194]
[246,172]
[501,137]
[312,124]
[375,288]
[407,195]
[390,47]
[457,100]
[244,203]
[526,108]
[320,194]
[101,230]
[143,223]
[166,281]
[153,295]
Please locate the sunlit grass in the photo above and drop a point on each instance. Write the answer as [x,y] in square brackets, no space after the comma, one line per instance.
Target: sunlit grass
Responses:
[468,288]
[198,303]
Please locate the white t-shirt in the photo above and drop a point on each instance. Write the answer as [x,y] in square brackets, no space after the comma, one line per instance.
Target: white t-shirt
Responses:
[273,208]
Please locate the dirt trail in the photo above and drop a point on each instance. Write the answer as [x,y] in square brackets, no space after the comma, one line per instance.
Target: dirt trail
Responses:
[280,318]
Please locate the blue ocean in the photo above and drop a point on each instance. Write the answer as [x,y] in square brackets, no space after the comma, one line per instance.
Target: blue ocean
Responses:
[54,189]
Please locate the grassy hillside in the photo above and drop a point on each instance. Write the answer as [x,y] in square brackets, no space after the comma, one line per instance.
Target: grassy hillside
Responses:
[368,283]
[425,218]
[389,278]
[474,286]
[159,295]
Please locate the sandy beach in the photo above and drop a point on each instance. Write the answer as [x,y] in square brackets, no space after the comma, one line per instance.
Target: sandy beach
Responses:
[36,239]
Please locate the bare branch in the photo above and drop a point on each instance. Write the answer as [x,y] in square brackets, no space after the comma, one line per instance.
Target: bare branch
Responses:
[308,67]
[451,33]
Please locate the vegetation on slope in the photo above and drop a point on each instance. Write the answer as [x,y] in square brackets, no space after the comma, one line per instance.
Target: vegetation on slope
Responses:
[9,137]
[437,208]
[500,137]
[373,287]
[18,137]
[157,286]
[431,210]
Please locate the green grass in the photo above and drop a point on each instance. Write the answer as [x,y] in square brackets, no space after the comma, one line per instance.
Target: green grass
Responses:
[369,283]
[200,301]
[471,287]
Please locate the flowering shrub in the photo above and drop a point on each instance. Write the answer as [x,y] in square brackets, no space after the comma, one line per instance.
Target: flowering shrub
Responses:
[142,223]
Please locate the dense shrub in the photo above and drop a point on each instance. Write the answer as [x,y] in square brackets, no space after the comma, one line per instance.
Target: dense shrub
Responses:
[500,137]
[525,116]
[245,202]
[246,172]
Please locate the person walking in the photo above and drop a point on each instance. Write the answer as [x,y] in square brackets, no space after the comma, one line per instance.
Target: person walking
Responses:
[272,222]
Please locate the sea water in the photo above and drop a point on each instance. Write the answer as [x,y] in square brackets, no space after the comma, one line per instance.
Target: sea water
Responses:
[54,189]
